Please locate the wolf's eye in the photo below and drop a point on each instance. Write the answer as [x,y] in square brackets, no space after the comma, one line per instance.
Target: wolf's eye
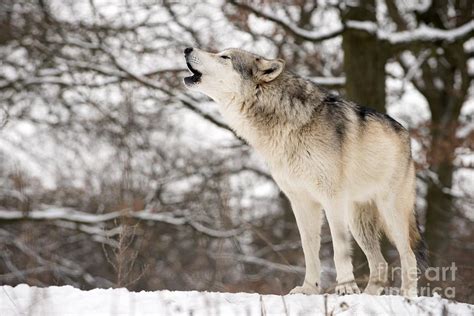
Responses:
[225,57]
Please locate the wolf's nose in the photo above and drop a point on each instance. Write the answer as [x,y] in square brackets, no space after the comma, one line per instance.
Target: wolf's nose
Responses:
[188,51]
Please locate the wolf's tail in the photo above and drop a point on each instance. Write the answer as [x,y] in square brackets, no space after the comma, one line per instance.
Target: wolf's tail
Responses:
[418,244]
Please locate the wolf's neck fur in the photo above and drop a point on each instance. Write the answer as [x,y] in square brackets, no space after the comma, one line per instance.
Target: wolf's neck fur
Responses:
[273,111]
[293,99]
[288,102]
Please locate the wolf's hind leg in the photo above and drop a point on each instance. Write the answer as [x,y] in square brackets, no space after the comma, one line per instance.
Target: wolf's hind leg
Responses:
[396,218]
[365,229]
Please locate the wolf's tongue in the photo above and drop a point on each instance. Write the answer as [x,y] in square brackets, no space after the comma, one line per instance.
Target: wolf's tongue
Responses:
[195,78]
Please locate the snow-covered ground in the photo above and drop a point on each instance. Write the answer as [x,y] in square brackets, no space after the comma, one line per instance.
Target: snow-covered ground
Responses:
[66,300]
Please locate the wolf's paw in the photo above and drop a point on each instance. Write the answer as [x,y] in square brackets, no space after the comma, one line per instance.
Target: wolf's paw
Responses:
[409,292]
[305,289]
[347,288]
[374,287]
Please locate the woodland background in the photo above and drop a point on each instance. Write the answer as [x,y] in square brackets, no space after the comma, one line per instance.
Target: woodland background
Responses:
[113,175]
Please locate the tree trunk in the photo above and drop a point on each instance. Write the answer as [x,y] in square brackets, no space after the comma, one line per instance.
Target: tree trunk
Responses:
[364,59]
[445,85]
[6,8]
[440,204]
[439,215]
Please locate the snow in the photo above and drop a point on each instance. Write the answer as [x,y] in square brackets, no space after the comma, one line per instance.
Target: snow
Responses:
[66,300]
[335,81]
[422,33]
[428,33]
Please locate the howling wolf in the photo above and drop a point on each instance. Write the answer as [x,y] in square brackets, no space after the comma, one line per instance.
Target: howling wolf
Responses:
[324,152]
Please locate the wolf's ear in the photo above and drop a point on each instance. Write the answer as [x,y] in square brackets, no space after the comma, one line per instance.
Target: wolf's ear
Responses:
[268,70]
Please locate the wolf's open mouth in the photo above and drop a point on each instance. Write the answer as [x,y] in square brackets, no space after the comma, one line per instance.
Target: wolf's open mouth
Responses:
[195,78]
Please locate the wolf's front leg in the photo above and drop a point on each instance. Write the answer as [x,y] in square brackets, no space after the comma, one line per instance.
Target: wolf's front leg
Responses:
[337,214]
[308,218]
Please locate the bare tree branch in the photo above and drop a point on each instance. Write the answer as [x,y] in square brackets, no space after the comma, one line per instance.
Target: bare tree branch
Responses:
[312,36]
[71,215]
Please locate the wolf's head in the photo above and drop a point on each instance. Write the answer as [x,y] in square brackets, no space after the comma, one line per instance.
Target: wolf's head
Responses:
[230,74]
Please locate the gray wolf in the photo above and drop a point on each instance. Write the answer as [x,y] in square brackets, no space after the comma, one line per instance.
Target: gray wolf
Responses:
[325,153]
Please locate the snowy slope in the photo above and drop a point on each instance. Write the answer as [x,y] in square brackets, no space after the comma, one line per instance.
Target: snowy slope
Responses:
[66,300]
